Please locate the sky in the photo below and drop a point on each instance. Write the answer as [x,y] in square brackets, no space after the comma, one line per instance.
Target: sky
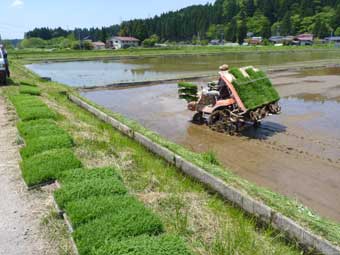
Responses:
[20,16]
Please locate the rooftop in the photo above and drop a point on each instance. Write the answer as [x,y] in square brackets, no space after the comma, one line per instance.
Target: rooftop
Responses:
[122,38]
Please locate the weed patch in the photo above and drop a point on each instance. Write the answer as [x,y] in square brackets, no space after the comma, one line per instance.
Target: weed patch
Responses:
[48,165]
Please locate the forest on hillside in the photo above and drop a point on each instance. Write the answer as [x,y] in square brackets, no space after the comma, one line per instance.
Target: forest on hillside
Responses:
[230,20]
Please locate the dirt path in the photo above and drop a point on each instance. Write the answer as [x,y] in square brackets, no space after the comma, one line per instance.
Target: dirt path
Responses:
[21,212]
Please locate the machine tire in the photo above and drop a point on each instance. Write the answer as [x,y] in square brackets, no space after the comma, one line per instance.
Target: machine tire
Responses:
[198,119]
[219,121]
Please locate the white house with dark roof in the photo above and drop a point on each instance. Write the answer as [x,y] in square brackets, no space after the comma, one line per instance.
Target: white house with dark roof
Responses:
[121,42]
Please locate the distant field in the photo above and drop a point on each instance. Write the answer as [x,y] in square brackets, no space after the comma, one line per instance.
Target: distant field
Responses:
[43,55]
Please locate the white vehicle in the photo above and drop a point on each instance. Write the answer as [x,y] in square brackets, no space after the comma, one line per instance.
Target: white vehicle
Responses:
[3,69]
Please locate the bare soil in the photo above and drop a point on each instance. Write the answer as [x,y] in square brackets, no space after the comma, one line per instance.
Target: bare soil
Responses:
[21,211]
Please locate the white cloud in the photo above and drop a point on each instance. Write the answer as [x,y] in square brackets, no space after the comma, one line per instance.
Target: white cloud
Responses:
[17,3]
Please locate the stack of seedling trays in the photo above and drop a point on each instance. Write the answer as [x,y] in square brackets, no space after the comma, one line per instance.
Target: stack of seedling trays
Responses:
[254,88]
[188,91]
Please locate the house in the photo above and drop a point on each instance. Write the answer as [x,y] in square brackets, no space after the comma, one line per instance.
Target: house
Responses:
[214,42]
[256,40]
[276,39]
[98,45]
[303,39]
[333,39]
[120,42]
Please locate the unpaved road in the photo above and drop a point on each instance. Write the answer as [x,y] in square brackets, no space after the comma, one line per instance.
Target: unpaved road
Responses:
[296,154]
[21,212]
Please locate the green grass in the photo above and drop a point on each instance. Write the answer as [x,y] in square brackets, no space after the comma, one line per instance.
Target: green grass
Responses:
[84,210]
[30,90]
[257,93]
[79,175]
[48,165]
[45,143]
[39,128]
[146,245]
[74,191]
[116,227]
[28,83]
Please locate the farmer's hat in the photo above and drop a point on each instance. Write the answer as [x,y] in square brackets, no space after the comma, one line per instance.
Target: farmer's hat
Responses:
[224,67]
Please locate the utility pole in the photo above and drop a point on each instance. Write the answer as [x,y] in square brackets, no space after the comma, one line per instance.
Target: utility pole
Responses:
[80,47]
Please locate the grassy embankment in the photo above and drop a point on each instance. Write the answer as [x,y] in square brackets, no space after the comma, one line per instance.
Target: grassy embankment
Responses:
[63,55]
[185,209]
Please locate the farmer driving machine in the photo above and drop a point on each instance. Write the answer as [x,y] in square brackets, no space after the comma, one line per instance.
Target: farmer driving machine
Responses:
[248,97]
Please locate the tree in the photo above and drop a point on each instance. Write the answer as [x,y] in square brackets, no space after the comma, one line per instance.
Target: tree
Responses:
[286,25]
[266,29]
[337,32]
[230,9]
[242,30]
[33,43]
[250,7]
[232,30]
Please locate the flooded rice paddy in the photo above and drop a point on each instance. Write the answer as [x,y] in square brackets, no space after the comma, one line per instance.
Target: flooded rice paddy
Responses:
[104,72]
[296,153]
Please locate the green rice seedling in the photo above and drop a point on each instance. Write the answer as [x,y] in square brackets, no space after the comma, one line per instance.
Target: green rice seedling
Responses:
[84,210]
[146,245]
[36,112]
[24,101]
[44,143]
[39,128]
[46,166]
[87,188]
[255,90]
[187,85]
[79,175]
[34,91]
[116,227]
[27,83]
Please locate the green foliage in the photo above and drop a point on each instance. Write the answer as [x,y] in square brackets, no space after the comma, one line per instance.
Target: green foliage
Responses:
[40,144]
[116,227]
[48,165]
[146,245]
[33,43]
[150,42]
[39,128]
[84,210]
[254,93]
[337,32]
[73,191]
[30,90]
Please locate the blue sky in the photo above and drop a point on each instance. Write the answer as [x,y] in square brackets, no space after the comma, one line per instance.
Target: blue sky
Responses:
[19,16]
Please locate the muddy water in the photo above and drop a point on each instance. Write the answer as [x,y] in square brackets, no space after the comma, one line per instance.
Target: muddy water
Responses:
[95,73]
[296,153]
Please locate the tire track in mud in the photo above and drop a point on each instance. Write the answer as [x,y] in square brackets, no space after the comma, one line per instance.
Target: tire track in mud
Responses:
[297,152]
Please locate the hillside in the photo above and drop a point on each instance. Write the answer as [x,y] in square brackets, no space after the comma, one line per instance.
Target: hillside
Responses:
[225,19]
